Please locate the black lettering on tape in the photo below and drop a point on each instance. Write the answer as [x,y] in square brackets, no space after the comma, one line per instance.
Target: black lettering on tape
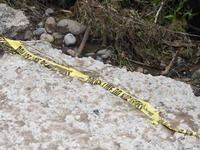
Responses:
[43,62]
[36,59]
[47,65]
[20,50]
[97,82]
[67,73]
[90,80]
[104,84]
[26,55]
[125,96]
[117,91]
[136,103]
[108,87]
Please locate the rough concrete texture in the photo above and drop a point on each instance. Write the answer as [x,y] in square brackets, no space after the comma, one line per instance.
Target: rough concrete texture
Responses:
[12,21]
[42,109]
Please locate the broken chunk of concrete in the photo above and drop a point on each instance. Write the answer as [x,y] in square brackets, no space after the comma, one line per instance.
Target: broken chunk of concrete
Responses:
[42,109]
[12,22]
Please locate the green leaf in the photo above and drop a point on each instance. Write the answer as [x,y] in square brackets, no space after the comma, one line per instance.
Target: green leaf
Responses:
[169,17]
[152,52]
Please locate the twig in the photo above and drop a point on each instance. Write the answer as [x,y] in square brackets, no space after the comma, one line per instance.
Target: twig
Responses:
[37,41]
[42,52]
[85,37]
[179,43]
[139,63]
[158,12]
[171,63]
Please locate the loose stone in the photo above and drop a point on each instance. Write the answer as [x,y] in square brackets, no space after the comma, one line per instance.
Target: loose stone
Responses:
[71,52]
[99,59]
[47,37]
[68,25]
[105,53]
[49,12]
[28,35]
[40,25]
[57,35]
[69,39]
[196,74]
[39,31]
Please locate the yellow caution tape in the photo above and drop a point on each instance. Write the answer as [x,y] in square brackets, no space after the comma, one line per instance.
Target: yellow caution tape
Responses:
[143,106]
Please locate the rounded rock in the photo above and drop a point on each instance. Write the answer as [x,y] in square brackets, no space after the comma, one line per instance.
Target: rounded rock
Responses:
[90,54]
[99,59]
[39,31]
[105,53]
[139,69]
[196,74]
[50,25]
[40,25]
[108,62]
[71,52]
[146,71]
[49,11]
[50,21]
[96,111]
[180,61]
[69,39]
[68,25]
[57,35]
[28,35]
[47,37]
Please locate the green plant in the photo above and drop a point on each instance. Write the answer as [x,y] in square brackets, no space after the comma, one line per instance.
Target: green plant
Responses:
[174,13]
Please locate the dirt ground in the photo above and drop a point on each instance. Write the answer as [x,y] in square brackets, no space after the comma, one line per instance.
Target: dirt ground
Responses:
[133,61]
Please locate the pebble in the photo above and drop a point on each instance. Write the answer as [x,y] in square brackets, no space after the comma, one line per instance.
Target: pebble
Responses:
[89,54]
[50,25]
[71,52]
[47,37]
[140,69]
[50,21]
[99,59]
[102,52]
[68,25]
[49,12]
[39,31]
[105,53]
[40,25]
[64,50]
[146,71]
[173,74]
[96,111]
[130,56]
[197,92]
[57,35]
[108,62]
[180,61]
[69,39]
[58,42]
[196,74]
[28,35]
